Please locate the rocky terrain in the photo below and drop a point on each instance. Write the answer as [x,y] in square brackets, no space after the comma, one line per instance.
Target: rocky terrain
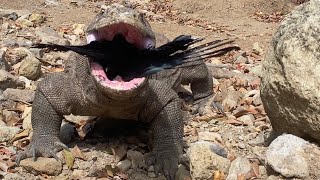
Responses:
[234,144]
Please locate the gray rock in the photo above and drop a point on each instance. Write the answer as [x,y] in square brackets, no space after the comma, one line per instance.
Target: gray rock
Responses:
[209,136]
[231,100]
[66,132]
[182,173]
[203,162]
[124,165]
[37,52]
[7,133]
[19,95]
[26,117]
[30,68]
[247,119]
[136,158]
[286,155]
[240,165]
[241,58]
[3,62]
[48,35]
[257,49]
[18,54]
[291,79]
[36,18]
[7,80]
[25,23]
[258,141]
[13,176]
[49,166]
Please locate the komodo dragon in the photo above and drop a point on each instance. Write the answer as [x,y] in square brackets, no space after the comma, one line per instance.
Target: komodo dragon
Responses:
[84,89]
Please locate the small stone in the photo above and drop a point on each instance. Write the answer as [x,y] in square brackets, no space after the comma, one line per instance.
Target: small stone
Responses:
[7,133]
[19,95]
[78,29]
[3,62]
[215,61]
[241,145]
[26,117]
[136,158]
[152,174]
[210,136]
[51,3]
[231,100]
[25,23]
[247,119]
[7,80]
[241,59]
[18,54]
[49,166]
[256,49]
[14,176]
[258,141]
[49,35]
[240,165]
[124,165]
[78,174]
[30,68]
[13,16]
[66,132]
[37,52]
[203,162]
[182,173]
[36,18]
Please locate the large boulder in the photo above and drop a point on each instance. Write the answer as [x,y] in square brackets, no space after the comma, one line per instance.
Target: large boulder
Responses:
[290,86]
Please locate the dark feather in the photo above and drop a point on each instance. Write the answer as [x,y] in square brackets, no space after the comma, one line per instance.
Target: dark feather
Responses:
[122,58]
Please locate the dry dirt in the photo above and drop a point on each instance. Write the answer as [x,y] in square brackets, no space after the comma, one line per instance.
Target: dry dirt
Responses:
[233,17]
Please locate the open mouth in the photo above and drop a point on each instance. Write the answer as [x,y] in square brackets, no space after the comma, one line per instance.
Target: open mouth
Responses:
[131,35]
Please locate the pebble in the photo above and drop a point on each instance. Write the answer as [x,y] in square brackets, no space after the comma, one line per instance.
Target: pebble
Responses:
[124,165]
[209,136]
[3,62]
[30,68]
[240,165]
[7,133]
[136,158]
[203,161]
[49,166]
[247,119]
[7,80]
[36,18]
[19,95]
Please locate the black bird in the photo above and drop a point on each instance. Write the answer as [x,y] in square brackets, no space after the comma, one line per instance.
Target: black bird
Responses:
[122,58]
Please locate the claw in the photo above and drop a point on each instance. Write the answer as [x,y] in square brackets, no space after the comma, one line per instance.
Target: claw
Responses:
[34,154]
[20,156]
[53,154]
[61,145]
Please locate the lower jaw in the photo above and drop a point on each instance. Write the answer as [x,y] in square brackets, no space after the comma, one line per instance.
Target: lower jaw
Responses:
[116,85]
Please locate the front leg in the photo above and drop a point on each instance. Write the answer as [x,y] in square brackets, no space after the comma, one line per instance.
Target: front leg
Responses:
[167,130]
[57,94]
[46,124]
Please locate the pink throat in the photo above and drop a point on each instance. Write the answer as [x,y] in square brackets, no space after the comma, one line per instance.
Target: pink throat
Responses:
[118,83]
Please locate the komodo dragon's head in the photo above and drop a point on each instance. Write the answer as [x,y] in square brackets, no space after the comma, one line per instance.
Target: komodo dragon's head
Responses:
[115,20]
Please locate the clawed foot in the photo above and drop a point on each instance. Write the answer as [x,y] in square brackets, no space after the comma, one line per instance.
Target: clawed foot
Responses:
[164,162]
[42,146]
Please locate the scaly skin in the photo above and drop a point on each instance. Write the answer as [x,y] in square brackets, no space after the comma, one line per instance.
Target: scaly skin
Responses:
[76,91]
